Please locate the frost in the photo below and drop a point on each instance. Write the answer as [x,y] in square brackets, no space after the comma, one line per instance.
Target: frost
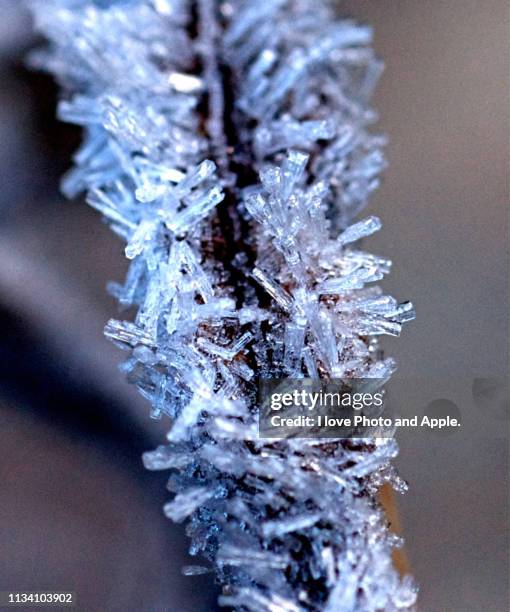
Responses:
[233,154]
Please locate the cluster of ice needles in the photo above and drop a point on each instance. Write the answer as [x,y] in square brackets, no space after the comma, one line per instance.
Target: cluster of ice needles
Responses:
[228,143]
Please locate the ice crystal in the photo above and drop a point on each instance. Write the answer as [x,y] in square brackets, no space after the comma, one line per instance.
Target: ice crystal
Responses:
[228,143]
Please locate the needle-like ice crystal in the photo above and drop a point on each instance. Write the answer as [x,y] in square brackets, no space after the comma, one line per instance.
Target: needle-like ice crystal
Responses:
[228,143]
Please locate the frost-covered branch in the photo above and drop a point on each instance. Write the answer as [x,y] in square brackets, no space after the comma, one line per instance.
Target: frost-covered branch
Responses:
[228,144]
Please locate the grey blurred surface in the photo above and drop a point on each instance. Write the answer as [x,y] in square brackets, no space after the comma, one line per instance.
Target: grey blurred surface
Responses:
[443,100]
[75,517]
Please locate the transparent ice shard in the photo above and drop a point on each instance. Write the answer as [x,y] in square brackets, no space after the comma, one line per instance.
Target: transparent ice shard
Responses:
[360,230]
[355,280]
[292,170]
[226,353]
[164,458]
[126,333]
[142,236]
[126,294]
[294,343]
[186,503]
[233,555]
[273,529]
[195,570]
[110,209]
[196,209]
[274,290]
[287,134]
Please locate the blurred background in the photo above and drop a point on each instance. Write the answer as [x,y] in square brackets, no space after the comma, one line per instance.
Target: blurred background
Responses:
[78,511]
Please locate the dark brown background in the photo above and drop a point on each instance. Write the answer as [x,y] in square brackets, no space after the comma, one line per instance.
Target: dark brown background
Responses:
[77,511]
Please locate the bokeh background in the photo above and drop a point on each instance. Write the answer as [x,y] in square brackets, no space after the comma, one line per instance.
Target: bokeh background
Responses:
[77,510]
